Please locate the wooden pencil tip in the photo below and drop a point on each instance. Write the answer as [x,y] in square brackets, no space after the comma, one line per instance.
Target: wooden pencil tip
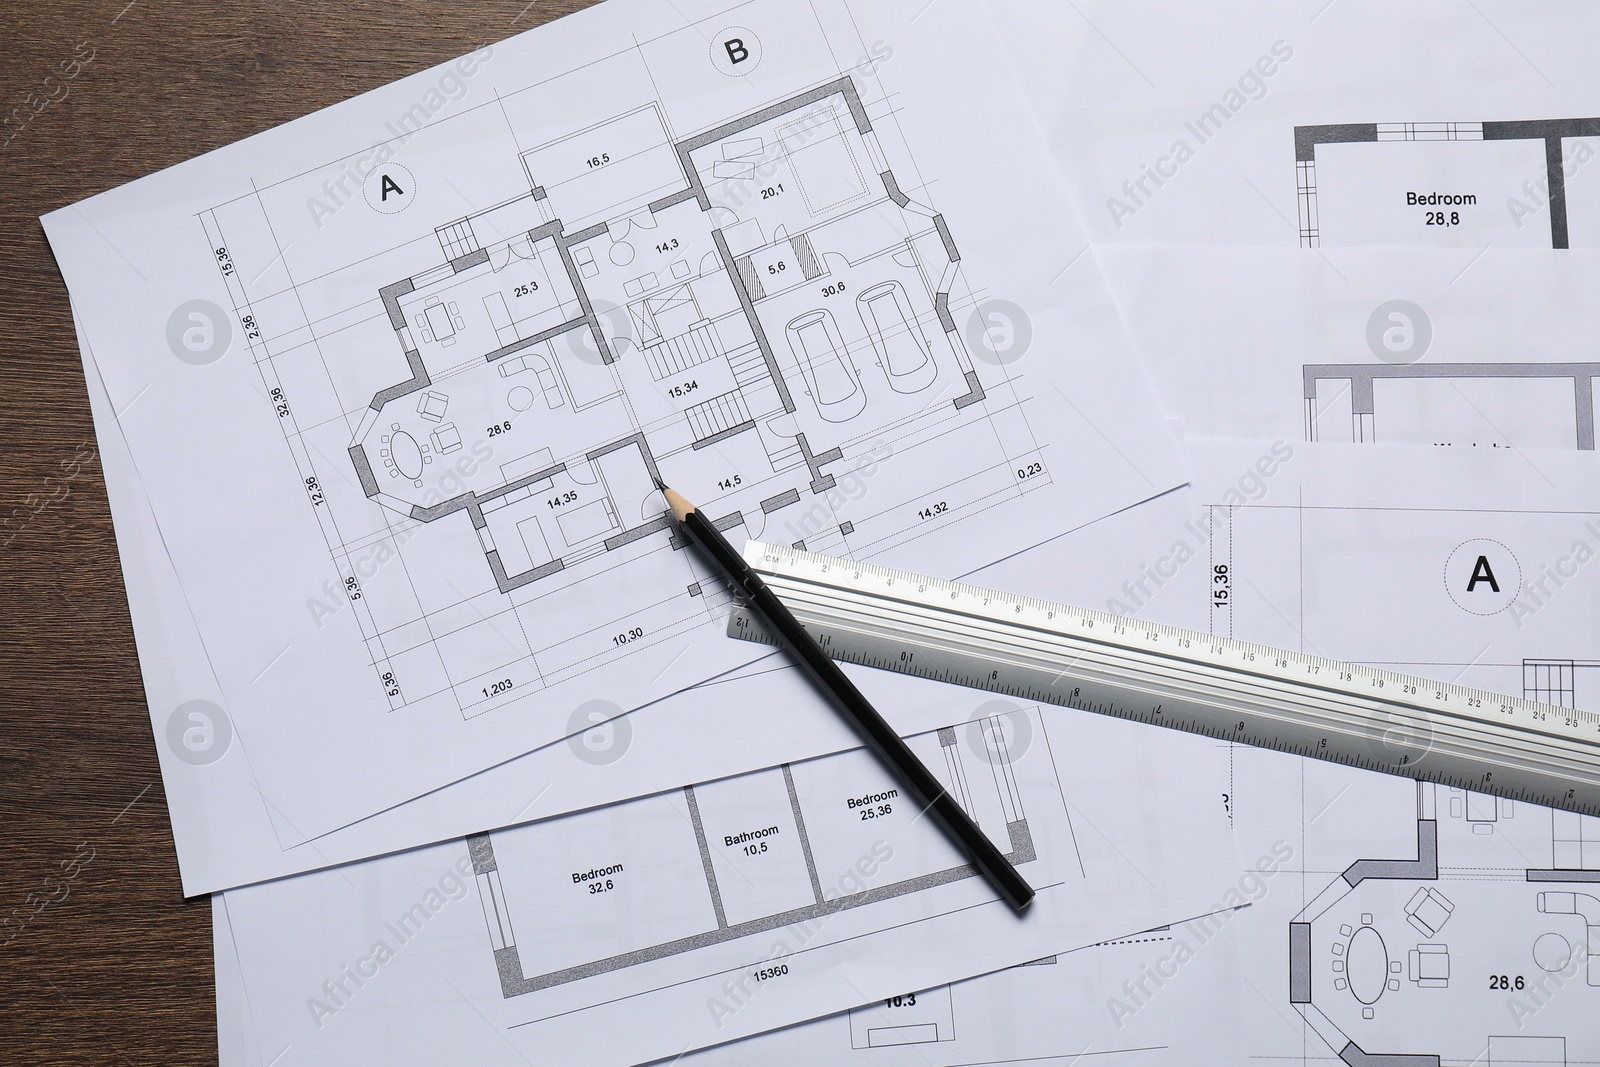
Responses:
[680,507]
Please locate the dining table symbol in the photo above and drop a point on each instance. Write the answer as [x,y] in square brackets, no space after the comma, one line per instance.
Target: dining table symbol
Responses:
[1362,964]
[404,456]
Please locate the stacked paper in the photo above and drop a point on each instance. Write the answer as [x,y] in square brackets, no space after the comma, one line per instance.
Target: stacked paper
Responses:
[1110,304]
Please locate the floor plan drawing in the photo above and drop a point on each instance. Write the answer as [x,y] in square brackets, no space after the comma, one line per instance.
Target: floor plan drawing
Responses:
[1416,924]
[759,309]
[1518,183]
[434,347]
[1498,405]
[1374,955]
[779,849]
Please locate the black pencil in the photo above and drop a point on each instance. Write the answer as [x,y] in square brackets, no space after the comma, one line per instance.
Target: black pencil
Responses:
[911,771]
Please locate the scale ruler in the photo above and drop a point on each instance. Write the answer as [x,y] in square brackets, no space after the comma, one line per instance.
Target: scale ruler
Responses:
[1165,676]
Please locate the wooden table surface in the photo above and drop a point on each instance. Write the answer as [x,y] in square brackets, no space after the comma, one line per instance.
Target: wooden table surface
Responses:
[101,961]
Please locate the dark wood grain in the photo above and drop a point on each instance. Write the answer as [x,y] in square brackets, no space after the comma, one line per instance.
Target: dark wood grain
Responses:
[115,968]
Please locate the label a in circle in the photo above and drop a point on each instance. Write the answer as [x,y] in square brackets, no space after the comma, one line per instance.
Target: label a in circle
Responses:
[389,188]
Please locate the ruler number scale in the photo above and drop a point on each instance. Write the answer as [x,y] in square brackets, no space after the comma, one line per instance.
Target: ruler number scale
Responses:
[1219,687]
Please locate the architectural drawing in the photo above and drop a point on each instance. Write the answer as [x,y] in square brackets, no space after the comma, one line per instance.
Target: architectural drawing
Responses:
[1416,925]
[1391,936]
[1506,183]
[782,848]
[761,310]
[1500,405]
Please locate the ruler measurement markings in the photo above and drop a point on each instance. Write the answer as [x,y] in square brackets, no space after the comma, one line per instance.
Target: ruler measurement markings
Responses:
[1032,649]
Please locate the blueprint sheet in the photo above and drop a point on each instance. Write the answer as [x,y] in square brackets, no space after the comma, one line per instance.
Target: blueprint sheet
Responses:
[1137,1000]
[397,377]
[1448,123]
[1449,348]
[1406,920]
[715,911]
[228,833]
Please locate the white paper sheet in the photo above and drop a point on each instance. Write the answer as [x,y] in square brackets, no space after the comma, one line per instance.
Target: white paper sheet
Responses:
[1141,998]
[1407,919]
[663,924]
[224,827]
[407,497]
[1463,348]
[1245,123]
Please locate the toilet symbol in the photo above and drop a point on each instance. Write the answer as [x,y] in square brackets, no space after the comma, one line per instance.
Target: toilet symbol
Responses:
[389,188]
[1482,576]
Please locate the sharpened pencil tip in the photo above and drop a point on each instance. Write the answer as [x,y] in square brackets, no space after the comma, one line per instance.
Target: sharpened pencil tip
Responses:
[661,485]
[680,507]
